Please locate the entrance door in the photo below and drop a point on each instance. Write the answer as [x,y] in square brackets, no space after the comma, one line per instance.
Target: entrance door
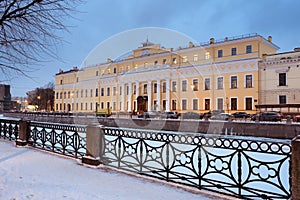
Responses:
[142,104]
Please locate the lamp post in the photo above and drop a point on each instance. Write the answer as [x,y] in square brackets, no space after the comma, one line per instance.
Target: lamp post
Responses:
[39,102]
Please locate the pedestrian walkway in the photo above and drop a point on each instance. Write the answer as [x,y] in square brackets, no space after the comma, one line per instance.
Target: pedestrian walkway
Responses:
[27,173]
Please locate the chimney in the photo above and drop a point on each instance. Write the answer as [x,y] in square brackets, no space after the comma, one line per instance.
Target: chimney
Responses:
[297,49]
[211,40]
[270,38]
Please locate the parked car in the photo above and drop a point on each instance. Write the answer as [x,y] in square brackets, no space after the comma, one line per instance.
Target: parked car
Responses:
[241,115]
[222,116]
[211,113]
[190,115]
[296,118]
[150,114]
[268,116]
[170,115]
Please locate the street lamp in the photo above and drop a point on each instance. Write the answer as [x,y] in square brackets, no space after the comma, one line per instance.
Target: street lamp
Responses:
[39,102]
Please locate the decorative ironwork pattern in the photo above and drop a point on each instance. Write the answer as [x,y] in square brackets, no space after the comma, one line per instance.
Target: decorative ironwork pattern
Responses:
[64,139]
[9,129]
[252,168]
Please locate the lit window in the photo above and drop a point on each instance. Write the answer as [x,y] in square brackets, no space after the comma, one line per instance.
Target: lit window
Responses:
[184,59]
[207,55]
[174,61]
[195,58]
[164,61]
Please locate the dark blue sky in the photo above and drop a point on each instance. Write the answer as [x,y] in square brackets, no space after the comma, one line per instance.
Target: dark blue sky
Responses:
[198,19]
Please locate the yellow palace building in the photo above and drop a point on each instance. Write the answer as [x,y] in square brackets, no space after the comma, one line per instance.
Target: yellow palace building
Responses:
[218,75]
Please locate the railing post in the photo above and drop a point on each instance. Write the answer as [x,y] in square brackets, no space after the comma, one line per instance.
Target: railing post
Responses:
[295,173]
[23,133]
[95,145]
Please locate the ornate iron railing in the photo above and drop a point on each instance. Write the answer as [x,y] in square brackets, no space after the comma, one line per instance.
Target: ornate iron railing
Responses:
[248,168]
[68,140]
[9,129]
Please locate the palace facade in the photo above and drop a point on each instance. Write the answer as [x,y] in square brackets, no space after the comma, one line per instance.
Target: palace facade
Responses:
[279,82]
[221,75]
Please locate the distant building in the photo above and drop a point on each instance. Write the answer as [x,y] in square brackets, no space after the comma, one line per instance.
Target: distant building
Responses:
[280,82]
[218,75]
[5,98]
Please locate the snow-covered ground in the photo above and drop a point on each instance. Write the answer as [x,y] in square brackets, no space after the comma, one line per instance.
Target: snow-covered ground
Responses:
[27,173]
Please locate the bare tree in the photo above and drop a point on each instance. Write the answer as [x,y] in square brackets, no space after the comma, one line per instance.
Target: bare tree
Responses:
[29,31]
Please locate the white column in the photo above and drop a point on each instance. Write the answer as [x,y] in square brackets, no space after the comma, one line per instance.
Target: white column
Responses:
[129,97]
[168,95]
[122,96]
[158,96]
[149,92]
[137,85]
[137,93]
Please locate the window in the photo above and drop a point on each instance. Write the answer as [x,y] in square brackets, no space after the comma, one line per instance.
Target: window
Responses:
[195,58]
[60,95]
[233,51]
[115,70]
[183,104]
[282,99]
[164,87]
[91,106]
[114,91]
[108,91]
[57,97]
[248,49]
[233,82]
[248,81]
[164,104]
[184,59]
[207,84]
[207,55]
[91,92]
[86,106]
[145,88]
[174,86]
[233,104]
[184,86]
[102,92]
[97,73]
[65,95]
[86,93]
[61,82]
[81,94]
[174,60]
[195,104]
[155,62]
[282,79]
[220,83]
[134,89]
[127,89]
[220,53]
[164,61]
[96,92]
[220,103]
[207,104]
[195,85]
[114,105]
[248,103]
[69,94]
[120,91]
[174,104]
[77,79]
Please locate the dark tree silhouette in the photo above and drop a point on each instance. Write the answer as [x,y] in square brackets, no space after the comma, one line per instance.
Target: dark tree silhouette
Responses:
[29,30]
